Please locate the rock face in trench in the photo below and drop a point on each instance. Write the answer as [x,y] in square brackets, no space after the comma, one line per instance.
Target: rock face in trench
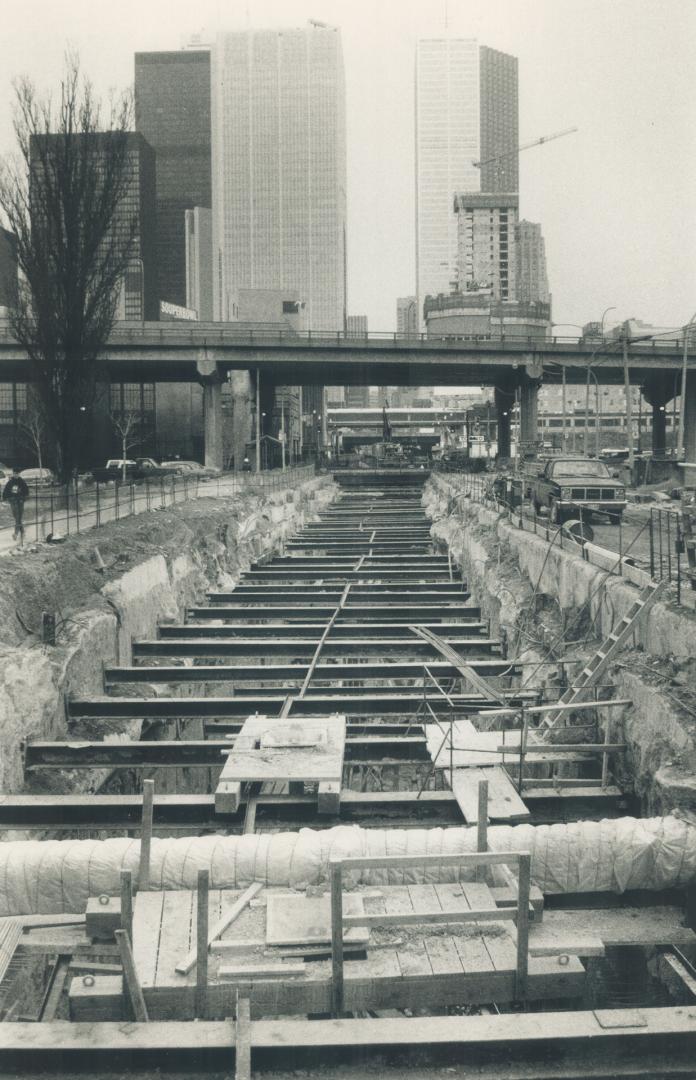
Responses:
[156,564]
[532,593]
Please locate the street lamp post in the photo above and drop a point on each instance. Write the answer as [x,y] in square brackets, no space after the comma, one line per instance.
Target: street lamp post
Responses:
[681,446]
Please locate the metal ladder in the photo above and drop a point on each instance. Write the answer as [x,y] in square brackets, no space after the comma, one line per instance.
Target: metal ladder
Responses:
[602,658]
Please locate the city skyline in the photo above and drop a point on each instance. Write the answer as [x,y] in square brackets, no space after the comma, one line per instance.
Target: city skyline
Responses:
[609,240]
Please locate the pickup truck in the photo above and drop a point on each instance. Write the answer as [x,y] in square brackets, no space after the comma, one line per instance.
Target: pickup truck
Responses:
[136,469]
[575,487]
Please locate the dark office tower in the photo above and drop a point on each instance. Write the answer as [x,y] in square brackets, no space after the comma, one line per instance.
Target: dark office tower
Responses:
[134,218]
[172,111]
[8,268]
[499,121]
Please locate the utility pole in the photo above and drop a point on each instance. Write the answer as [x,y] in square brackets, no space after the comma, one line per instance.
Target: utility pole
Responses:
[681,451]
[258,420]
[627,391]
[563,408]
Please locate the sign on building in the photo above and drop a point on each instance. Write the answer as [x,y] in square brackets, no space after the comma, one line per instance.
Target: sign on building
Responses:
[176,311]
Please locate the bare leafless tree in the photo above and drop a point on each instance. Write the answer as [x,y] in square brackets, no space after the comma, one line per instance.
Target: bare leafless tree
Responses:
[33,429]
[63,195]
[127,426]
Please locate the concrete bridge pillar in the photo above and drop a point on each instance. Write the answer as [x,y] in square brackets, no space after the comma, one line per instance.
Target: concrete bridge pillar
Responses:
[529,403]
[504,401]
[690,417]
[242,430]
[211,379]
[657,390]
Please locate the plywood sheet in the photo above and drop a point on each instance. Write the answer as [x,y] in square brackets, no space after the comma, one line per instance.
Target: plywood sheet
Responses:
[295,919]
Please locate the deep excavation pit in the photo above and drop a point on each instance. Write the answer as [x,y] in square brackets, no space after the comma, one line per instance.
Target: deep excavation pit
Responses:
[608,850]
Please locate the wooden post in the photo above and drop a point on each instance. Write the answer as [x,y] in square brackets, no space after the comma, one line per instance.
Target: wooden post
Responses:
[146,835]
[336,938]
[242,1045]
[605,755]
[130,977]
[127,903]
[202,944]
[525,868]
[523,748]
[482,826]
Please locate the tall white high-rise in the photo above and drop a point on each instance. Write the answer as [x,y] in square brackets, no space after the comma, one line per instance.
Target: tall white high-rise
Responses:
[279,168]
[466,112]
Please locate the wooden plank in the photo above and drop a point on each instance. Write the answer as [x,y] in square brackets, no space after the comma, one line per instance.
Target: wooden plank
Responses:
[202,900]
[412,956]
[262,970]
[572,931]
[130,975]
[177,935]
[478,895]
[147,925]
[501,948]
[553,1028]
[242,1035]
[146,835]
[410,918]
[222,924]
[468,943]
[479,749]
[504,802]
[127,902]
[296,919]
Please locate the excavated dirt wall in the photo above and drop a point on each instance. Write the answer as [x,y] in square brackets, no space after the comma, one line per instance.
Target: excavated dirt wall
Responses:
[533,592]
[155,564]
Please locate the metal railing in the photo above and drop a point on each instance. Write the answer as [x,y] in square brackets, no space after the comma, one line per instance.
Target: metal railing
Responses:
[661,533]
[467,861]
[201,335]
[62,511]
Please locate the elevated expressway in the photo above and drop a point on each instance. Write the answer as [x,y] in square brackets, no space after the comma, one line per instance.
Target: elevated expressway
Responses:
[278,356]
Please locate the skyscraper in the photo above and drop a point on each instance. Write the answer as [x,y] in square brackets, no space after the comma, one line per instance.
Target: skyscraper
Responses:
[466,112]
[486,256]
[172,111]
[8,267]
[407,318]
[532,279]
[279,168]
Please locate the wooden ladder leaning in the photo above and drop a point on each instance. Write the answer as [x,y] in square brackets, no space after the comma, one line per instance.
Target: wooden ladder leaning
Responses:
[596,667]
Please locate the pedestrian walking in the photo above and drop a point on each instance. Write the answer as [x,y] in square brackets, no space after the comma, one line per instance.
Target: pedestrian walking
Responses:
[16,492]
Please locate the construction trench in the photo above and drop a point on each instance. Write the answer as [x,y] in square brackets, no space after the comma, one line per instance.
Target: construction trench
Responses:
[345,778]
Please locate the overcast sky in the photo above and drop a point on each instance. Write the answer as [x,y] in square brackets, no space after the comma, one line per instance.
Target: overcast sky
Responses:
[617,200]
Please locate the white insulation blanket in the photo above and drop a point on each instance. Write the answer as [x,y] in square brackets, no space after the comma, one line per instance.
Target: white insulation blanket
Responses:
[51,876]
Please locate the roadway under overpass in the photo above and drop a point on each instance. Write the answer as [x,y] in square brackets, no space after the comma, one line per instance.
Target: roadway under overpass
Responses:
[208,352]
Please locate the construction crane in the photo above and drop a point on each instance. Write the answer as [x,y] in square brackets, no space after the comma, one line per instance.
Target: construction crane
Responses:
[525,146]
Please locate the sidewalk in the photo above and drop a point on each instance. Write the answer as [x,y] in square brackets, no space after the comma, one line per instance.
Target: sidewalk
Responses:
[103,503]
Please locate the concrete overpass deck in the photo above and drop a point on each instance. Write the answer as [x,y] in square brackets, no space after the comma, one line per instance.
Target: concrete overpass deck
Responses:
[175,352]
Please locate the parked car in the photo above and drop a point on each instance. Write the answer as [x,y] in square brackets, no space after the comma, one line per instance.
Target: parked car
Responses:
[38,477]
[191,468]
[571,487]
[135,469]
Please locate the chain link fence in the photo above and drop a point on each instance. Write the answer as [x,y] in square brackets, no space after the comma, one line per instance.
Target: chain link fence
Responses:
[59,511]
